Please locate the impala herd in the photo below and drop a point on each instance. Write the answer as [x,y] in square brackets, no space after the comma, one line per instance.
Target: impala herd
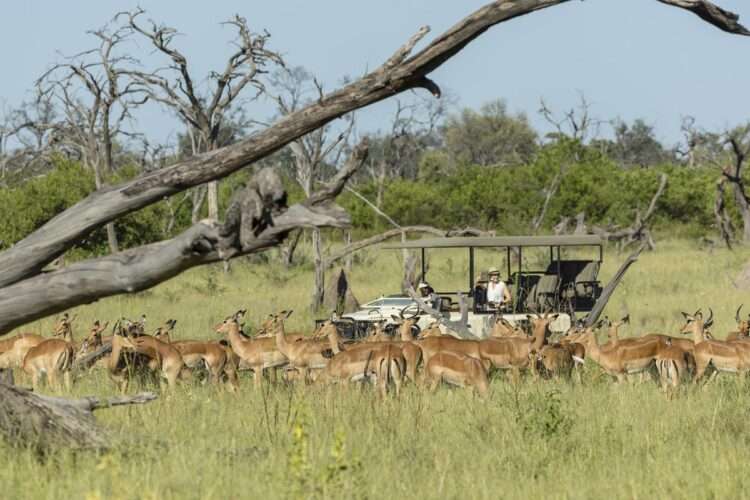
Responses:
[427,359]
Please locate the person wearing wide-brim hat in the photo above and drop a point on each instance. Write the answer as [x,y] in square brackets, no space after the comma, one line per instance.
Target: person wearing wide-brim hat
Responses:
[497,291]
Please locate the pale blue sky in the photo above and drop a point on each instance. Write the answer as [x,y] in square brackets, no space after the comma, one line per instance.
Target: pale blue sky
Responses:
[631,58]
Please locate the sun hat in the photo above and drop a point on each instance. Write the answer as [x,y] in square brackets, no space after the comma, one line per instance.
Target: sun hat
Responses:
[493,270]
[423,285]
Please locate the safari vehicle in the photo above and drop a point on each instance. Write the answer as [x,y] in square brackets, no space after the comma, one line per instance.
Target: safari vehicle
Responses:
[556,283]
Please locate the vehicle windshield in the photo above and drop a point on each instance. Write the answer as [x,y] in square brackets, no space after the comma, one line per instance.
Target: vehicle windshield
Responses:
[390,302]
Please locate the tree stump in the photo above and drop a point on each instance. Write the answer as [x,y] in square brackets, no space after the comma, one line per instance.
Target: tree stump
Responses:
[44,422]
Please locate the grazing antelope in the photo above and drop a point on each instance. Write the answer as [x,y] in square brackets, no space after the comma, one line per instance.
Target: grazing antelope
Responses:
[456,369]
[352,365]
[165,358]
[557,360]
[52,357]
[723,356]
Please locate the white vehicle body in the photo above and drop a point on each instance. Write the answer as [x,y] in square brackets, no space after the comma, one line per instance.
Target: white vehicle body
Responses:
[385,307]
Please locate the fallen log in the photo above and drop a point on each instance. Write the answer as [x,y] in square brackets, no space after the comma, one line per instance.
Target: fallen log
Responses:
[44,423]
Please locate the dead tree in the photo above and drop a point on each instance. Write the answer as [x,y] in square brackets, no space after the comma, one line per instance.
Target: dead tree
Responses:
[293,88]
[638,231]
[549,193]
[723,221]
[412,126]
[92,123]
[576,123]
[738,145]
[26,139]
[175,86]
[27,294]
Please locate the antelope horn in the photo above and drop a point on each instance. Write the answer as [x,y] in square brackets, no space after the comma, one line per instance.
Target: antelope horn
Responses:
[737,314]
[710,319]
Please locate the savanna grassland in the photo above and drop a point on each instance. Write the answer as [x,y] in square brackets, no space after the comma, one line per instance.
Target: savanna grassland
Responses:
[546,439]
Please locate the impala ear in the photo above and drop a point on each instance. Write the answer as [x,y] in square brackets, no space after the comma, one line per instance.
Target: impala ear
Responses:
[686,316]
[626,319]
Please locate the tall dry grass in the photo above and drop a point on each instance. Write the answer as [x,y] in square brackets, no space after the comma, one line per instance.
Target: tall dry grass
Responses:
[551,439]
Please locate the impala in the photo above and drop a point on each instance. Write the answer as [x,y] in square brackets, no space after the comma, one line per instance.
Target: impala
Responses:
[13,350]
[165,358]
[723,356]
[456,369]
[672,365]
[623,359]
[557,360]
[516,353]
[52,357]
[257,354]
[216,357]
[503,328]
[390,367]
[743,328]
[304,354]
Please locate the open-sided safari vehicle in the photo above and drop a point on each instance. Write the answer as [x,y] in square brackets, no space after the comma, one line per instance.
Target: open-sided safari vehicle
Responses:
[555,283]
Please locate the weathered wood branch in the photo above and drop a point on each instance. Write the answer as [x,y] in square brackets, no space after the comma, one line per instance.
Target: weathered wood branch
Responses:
[379,238]
[638,231]
[722,19]
[601,303]
[400,73]
[44,423]
[253,224]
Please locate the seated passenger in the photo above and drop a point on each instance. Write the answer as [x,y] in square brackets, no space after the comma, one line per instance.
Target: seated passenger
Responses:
[498,294]
[479,294]
[429,295]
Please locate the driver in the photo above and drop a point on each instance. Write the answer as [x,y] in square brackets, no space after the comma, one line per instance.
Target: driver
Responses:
[497,291]
[429,295]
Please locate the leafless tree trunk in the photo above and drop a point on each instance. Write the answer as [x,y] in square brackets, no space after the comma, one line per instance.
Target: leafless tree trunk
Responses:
[348,259]
[549,193]
[738,141]
[293,88]
[638,231]
[26,294]
[723,221]
[91,125]
[204,114]
[287,251]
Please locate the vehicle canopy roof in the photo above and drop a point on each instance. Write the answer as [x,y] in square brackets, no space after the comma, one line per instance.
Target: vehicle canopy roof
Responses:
[501,241]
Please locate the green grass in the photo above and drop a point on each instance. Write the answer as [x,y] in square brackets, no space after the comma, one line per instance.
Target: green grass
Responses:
[550,439]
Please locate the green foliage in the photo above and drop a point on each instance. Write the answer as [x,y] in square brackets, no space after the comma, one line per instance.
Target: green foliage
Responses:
[491,136]
[507,199]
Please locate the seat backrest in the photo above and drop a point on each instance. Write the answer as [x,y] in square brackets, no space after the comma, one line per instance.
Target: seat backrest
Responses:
[589,272]
[548,283]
